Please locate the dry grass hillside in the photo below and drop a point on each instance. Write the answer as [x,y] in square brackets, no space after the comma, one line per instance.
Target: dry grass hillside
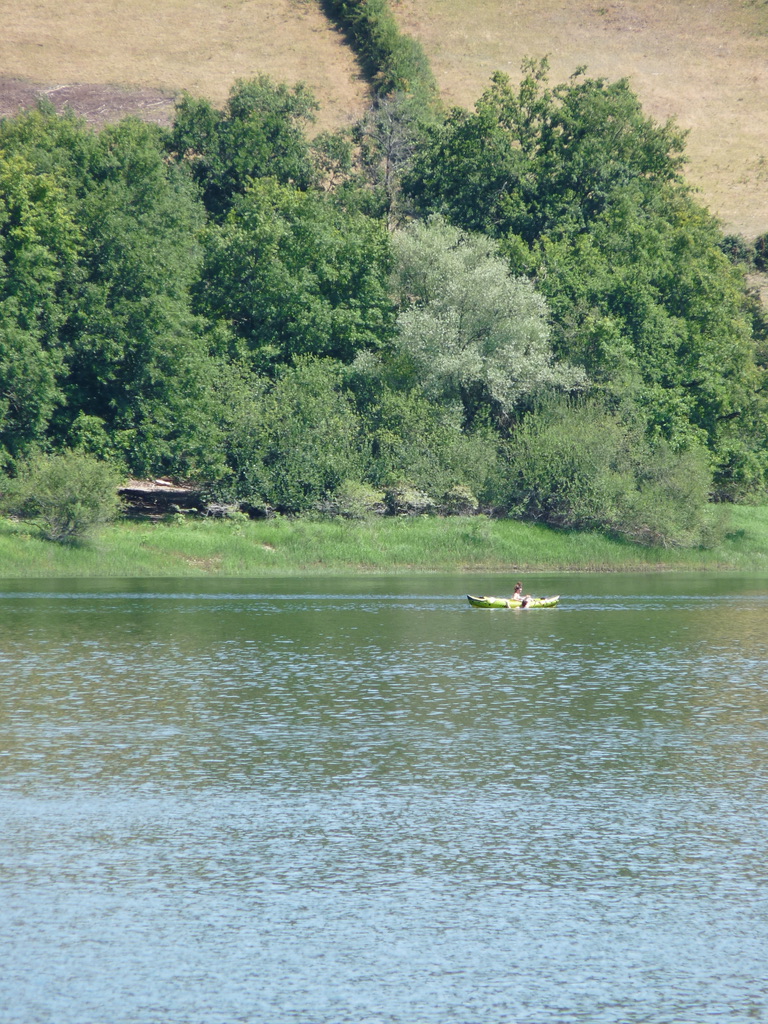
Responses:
[78,51]
[704,62]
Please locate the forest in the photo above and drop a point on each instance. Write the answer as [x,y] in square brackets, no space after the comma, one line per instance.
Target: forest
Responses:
[520,308]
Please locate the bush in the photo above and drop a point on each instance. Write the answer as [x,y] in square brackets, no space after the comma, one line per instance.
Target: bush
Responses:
[292,442]
[394,61]
[761,252]
[417,440]
[739,250]
[65,495]
[459,501]
[579,466]
[354,500]
[408,501]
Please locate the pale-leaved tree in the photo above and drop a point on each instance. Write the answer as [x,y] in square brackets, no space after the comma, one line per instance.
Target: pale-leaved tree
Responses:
[470,331]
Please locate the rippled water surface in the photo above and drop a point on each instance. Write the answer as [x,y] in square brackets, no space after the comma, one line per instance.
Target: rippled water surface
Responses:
[365,801]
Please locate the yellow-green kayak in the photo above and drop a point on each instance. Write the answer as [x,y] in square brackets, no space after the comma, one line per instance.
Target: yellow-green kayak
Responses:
[511,602]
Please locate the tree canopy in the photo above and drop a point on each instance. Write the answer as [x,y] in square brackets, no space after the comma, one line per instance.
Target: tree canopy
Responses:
[473,332]
[399,306]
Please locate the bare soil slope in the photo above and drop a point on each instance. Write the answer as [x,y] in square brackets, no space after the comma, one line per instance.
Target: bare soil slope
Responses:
[703,62]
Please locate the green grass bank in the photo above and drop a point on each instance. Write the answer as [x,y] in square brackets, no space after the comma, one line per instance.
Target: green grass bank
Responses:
[302,546]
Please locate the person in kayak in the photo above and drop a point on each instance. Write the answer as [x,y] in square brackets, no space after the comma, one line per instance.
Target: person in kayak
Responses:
[518,596]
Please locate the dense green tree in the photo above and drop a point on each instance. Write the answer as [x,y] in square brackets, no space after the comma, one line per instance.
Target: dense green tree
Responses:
[141,325]
[38,256]
[136,360]
[60,145]
[260,133]
[532,160]
[648,303]
[121,367]
[291,273]
[585,194]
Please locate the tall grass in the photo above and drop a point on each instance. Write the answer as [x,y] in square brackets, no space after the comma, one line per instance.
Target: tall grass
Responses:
[305,546]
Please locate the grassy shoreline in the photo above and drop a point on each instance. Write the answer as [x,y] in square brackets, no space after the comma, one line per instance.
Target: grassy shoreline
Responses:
[384,546]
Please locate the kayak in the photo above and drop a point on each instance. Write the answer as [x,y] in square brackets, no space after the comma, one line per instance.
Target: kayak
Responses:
[511,602]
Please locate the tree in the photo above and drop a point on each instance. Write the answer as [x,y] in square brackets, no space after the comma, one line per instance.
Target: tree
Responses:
[473,333]
[535,160]
[292,441]
[393,61]
[586,197]
[389,135]
[60,145]
[292,274]
[39,243]
[137,361]
[414,441]
[260,133]
[651,307]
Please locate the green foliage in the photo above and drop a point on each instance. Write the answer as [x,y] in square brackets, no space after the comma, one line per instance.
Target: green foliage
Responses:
[102,331]
[760,256]
[585,194]
[534,160]
[293,441]
[260,133]
[580,466]
[739,250]
[473,333]
[136,360]
[354,500]
[649,305]
[61,146]
[293,274]
[250,338]
[413,439]
[393,61]
[38,252]
[406,500]
[459,501]
[65,495]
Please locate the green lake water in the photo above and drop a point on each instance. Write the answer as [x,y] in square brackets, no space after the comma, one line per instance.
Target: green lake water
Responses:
[363,801]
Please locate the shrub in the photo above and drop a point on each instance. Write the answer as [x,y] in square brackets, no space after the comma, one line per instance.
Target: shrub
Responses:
[417,440]
[394,61]
[408,501]
[761,252]
[739,250]
[354,500]
[458,501]
[65,495]
[579,466]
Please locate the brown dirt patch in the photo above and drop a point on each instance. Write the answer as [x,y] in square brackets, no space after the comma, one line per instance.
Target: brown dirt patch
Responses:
[97,104]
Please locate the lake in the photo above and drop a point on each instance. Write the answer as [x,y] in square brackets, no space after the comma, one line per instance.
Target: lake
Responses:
[361,800]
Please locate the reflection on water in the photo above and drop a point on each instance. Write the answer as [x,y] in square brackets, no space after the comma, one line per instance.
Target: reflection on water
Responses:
[366,801]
